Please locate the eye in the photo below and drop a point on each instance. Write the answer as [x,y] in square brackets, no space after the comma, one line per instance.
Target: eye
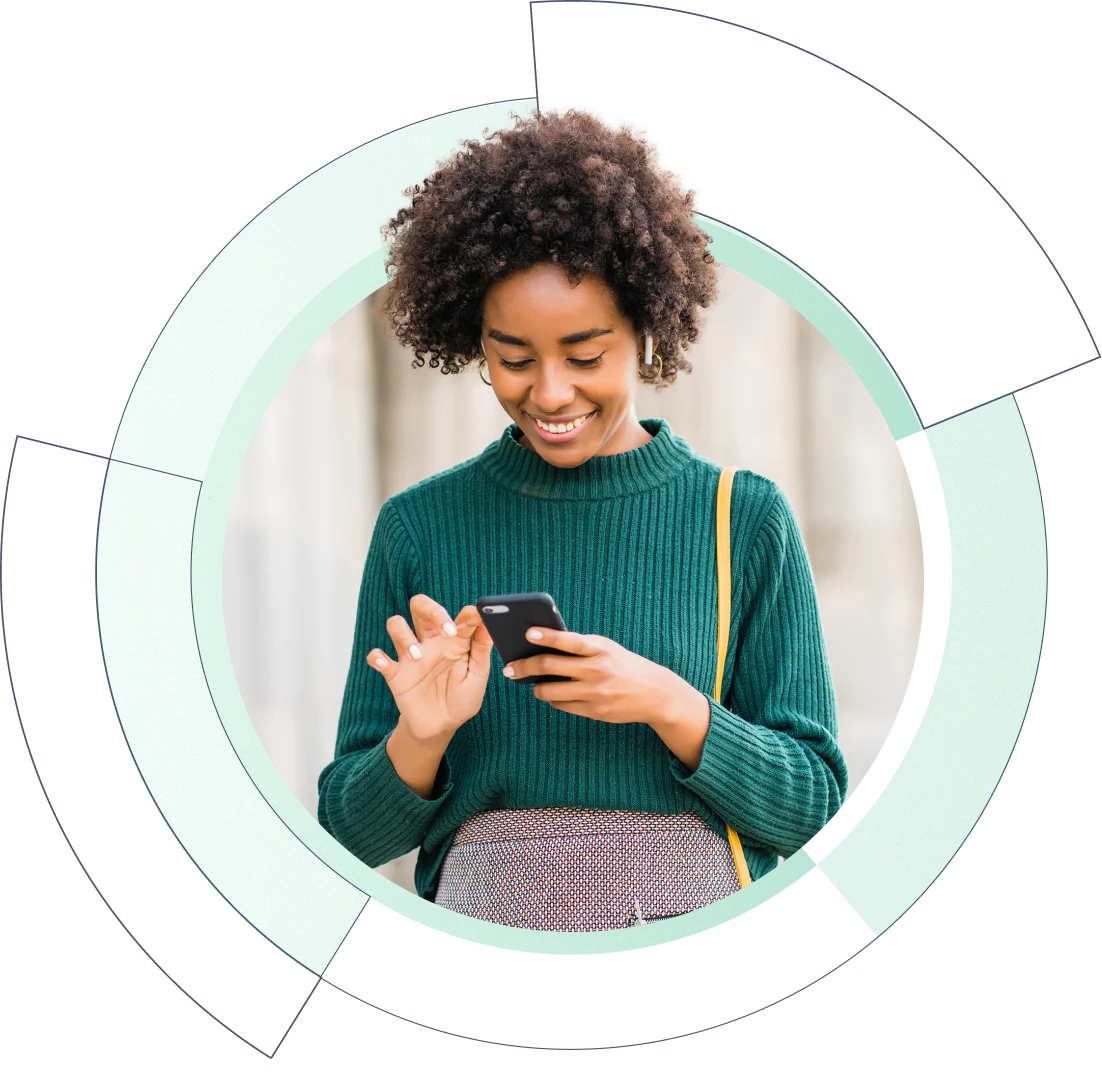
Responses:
[518,365]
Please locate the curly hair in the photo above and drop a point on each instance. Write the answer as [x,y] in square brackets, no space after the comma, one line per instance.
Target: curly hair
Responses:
[560,188]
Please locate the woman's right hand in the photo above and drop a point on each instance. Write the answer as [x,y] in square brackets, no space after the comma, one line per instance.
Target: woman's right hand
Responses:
[442,687]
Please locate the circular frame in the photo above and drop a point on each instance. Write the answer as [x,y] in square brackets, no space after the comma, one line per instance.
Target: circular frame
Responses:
[265,299]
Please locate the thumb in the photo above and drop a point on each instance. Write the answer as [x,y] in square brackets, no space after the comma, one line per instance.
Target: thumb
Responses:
[482,638]
[478,662]
[482,644]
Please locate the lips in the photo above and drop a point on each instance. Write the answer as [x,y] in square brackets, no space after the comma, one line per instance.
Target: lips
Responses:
[566,436]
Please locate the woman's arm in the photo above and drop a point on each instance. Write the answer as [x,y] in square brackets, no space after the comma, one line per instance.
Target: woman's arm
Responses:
[682,722]
[365,798]
[416,760]
[767,759]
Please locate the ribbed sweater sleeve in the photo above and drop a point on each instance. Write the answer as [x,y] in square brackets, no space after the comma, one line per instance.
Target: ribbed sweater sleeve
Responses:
[362,802]
[771,766]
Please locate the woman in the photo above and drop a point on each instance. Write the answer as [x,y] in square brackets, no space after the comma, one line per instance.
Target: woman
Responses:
[560,258]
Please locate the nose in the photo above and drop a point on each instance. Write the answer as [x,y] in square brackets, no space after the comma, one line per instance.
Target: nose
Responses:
[552,389]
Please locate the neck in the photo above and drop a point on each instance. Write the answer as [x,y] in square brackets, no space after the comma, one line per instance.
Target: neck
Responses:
[659,459]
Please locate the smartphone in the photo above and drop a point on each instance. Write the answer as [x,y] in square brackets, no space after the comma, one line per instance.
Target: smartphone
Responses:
[509,617]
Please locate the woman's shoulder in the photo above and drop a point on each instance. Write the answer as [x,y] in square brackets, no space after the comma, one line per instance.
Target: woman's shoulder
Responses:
[751,492]
[441,487]
[759,508]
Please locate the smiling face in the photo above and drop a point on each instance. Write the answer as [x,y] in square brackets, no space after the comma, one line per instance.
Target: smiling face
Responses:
[559,353]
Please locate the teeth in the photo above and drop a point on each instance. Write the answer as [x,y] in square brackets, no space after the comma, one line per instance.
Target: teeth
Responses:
[560,428]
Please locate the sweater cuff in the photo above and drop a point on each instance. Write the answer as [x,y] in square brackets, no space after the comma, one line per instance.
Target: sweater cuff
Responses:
[381,811]
[719,774]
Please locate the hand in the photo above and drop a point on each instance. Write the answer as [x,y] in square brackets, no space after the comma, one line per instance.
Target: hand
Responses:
[439,679]
[608,682]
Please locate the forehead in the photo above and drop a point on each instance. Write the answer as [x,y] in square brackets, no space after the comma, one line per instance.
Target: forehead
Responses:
[542,299]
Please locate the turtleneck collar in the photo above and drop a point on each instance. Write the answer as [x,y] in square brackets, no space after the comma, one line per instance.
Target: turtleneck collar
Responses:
[650,465]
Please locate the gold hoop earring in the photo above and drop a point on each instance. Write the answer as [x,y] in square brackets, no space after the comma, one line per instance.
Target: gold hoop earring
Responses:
[480,375]
[658,373]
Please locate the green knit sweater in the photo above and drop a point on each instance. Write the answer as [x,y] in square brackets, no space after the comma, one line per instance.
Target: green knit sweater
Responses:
[626,545]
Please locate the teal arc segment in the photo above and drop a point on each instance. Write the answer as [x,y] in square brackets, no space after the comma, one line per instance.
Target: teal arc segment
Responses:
[980,698]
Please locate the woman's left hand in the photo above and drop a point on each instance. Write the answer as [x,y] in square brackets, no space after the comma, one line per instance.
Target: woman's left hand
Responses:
[608,682]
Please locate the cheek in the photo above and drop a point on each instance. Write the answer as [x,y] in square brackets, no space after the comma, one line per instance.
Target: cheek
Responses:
[607,386]
[623,381]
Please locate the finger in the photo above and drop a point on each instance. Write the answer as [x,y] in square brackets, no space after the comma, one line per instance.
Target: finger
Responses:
[578,644]
[403,637]
[567,704]
[556,692]
[468,621]
[381,662]
[544,663]
[430,618]
[471,627]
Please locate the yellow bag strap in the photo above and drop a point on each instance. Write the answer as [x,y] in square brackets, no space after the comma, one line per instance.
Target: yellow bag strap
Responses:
[723,564]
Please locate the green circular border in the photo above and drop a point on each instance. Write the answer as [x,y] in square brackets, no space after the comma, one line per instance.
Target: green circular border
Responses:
[275,289]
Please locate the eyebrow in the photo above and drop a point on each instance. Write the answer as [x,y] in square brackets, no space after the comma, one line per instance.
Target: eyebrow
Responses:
[569,339]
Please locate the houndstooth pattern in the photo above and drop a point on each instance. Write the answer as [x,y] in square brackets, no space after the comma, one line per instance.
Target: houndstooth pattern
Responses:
[580,870]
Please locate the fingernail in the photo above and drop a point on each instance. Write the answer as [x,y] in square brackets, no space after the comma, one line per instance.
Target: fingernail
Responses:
[381,661]
[508,672]
[415,651]
[449,629]
[535,635]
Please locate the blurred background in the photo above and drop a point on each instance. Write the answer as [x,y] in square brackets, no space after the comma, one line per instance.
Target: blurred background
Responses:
[356,423]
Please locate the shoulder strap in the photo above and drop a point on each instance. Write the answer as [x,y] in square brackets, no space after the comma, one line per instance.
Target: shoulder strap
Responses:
[723,565]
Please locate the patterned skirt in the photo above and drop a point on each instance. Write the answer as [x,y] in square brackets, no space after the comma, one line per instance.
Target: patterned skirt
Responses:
[580,870]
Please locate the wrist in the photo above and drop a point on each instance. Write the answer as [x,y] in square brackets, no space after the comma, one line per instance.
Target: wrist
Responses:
[684,724]
[416,760]
[679,705]
[421,736]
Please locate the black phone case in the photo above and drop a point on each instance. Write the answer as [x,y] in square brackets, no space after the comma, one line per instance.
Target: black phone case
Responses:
[507,628]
